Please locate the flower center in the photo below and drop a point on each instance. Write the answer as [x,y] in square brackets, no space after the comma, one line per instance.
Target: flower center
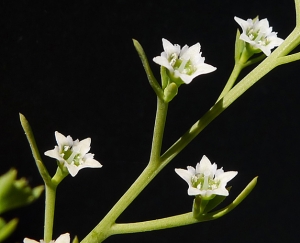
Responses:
[257,36]
[204,181]
[70,156]
[182,65]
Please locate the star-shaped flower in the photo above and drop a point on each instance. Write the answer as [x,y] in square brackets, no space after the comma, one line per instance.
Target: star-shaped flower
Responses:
[73,154]
[259,35]
[65,238]
[183,64]
[206,180]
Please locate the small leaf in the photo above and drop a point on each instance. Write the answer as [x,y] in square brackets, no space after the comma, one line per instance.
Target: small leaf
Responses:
[6,229]
[239,46]
[170,92]
[215,202]
[231,206]
[75,240]
[16,193]
[152,80]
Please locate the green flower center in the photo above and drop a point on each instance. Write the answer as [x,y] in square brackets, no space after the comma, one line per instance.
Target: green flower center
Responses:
[70,156]
[182,65]
[203,182]
[257,36]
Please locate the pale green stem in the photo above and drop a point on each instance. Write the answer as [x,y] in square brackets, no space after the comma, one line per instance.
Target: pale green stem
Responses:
[159,126]
[240,63]
[234,74]
[288,59]
[182,219]
[103,229]
[50,191]
[50,203]
[297,6]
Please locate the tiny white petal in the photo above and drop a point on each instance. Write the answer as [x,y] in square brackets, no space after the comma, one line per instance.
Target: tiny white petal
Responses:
[192,191]
[170,48]
[73,169]
[226,176]
[27,240]
[64,238]
[191,170]
[163,62]
[184,174]
[62,140]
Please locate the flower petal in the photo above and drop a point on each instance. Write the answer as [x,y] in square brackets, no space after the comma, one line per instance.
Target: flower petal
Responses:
[163,62]
[192,191]
[65,238]
[170,48]
[226,176]
[184,174]
[27,240]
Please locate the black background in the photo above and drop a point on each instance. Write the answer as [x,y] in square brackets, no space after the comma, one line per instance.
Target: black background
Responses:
[70,66]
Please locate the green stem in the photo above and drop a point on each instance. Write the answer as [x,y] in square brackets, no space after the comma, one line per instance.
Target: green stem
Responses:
[234,74]
[288,59]
[49,211]
[104,228]
[159,126]
[51,187]
[297,7]
[157,224]
[182,219]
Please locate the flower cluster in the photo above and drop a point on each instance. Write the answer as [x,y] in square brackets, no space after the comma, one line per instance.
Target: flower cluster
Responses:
[206,180]
[259,35]
[183,64]
[73,154]
[65,238]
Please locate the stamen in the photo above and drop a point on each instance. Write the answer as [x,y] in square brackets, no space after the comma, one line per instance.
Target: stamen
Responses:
[173,60]
[71,158]
[182,65]
[205,183]
[259,36]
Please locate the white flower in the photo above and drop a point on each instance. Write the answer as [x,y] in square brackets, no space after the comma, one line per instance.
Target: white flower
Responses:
[259,34]
[73,154]
[206,180]
[65,238]
[186,63]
